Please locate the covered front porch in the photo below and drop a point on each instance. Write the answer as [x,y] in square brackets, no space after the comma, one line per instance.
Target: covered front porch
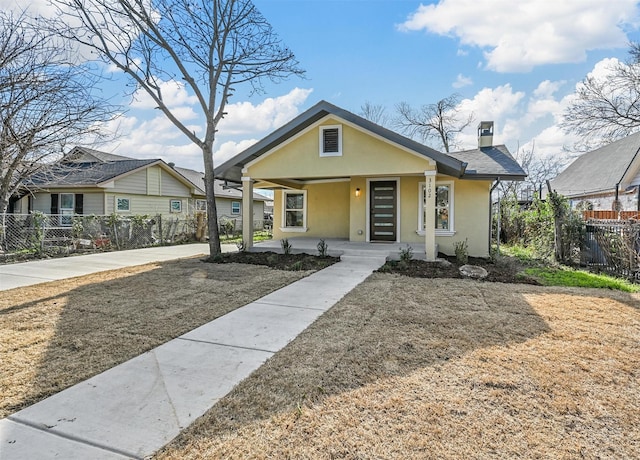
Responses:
[383,213]
[338,247]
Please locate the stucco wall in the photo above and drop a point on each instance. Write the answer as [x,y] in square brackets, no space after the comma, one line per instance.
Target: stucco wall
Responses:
[363,155]
[333,211]
[327,212]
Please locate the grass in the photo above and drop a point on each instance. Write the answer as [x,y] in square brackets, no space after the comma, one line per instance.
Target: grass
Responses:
[564,276]
[257,236]
[522,253]
[57,334]
[400,369]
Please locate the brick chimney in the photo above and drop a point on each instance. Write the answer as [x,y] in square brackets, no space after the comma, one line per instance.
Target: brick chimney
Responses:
[485,134]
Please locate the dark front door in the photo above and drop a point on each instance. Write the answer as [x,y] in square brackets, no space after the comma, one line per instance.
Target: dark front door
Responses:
[383,210]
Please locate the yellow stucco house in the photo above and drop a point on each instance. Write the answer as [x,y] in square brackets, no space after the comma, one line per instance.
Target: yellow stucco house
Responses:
[338,175]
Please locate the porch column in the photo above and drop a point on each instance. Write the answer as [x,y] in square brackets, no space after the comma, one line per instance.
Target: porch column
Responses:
[247,212]
[430,215]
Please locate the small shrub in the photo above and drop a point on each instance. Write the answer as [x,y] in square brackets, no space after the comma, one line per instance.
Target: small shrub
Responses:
[286,246]
[217,258]
[272,259]
[406,254]
[296,266]
[323,248]
[461,249]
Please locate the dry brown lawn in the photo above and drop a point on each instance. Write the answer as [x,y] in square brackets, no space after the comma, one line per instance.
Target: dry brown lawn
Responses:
[56,334]
[441,368]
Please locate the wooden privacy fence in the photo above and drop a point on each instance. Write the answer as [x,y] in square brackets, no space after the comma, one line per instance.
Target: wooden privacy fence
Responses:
[610,215]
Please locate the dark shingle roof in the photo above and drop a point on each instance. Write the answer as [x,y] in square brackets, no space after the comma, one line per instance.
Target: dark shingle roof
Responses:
[489,163]
[486,163]
[85,174]
[232,169]
[197,178]
[599,170]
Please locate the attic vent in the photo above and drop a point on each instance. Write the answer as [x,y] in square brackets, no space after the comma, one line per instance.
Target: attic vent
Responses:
[330,141]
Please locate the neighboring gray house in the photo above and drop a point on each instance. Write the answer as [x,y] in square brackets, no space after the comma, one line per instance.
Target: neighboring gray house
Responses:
[88,181]
[228,199]
[607,178]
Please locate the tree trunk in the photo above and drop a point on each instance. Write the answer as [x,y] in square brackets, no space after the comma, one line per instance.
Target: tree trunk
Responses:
[212,212]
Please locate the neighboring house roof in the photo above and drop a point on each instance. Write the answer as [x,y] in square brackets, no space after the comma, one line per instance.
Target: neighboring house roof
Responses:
[490,163]
[486,163]
[84,154]
[220,190]
[193,176]
[86,173]
[83,167]
[600,170]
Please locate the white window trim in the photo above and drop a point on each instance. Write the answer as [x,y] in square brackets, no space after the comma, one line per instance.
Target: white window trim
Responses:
[115,204]
[321,148]
[302,229]
[439,232]
[66,213]
[197,204]
[239,208]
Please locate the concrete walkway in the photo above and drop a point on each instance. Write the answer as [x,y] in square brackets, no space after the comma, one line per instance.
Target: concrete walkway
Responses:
[40,271]
[136,408]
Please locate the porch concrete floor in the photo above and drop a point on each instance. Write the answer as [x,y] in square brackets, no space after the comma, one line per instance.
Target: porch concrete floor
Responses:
[342,247]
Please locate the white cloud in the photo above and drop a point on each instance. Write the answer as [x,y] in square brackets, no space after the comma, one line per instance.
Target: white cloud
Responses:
[174,94]
[462,81]
[245,118]
[230,148]
[520,35]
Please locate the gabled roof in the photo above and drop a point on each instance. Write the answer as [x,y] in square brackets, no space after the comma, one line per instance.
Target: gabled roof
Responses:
[599,170]
[197,178]
[86,173]
[490,163]
[232,169]
[85,154]
[193,176]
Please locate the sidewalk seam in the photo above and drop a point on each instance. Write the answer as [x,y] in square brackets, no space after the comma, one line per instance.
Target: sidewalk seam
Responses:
[73,438]
[226,345]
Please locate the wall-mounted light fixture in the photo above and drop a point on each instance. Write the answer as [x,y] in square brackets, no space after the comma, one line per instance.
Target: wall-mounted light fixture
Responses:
[358,192]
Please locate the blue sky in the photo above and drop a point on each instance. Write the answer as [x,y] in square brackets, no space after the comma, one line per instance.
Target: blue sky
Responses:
[514,62]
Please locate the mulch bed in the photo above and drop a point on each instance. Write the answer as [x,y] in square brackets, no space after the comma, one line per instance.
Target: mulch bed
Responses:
[504,271]
[292,262]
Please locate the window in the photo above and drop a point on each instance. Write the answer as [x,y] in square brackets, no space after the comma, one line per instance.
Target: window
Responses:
[235,207]
[201,205]
[123,204]
[294,210]
[331,141]
[175,205]
[66,209]
[443,208]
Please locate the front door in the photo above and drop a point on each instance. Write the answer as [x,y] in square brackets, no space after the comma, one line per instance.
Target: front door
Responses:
[383,210]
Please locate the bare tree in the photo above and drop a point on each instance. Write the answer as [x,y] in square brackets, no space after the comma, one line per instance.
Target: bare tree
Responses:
[441,121]
[211,45]
[607,108]
[375,113]
[46,102]
[538,169]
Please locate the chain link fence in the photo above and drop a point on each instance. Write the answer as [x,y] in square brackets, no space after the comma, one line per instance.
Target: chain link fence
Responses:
[24,236]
